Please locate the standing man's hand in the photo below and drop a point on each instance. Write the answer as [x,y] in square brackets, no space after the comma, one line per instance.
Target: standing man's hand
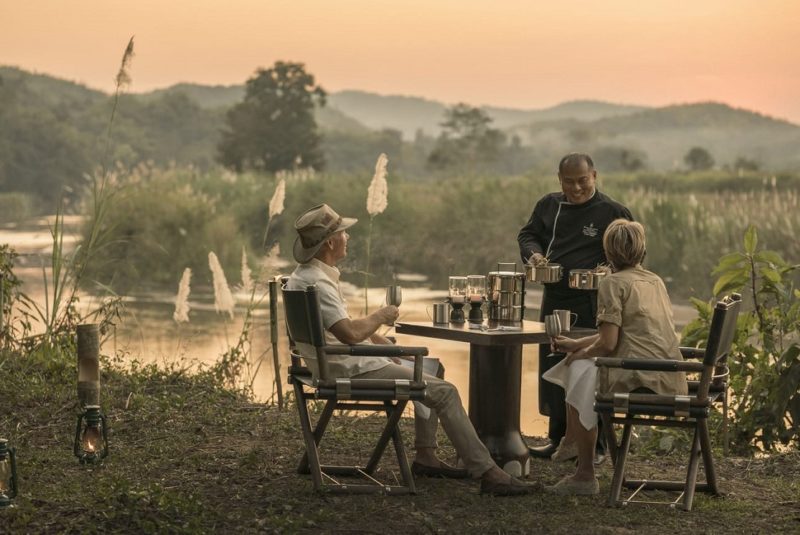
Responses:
[536,259]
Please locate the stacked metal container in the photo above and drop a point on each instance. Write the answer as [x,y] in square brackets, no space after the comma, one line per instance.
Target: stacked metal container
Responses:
[506,289]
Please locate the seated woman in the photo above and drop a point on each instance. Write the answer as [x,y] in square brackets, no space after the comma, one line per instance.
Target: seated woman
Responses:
[634,319]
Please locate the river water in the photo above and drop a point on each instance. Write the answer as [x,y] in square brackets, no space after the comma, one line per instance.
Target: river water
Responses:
[148,333]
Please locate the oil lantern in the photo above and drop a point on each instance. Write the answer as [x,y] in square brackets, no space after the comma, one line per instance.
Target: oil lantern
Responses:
[91,439]
[8,474]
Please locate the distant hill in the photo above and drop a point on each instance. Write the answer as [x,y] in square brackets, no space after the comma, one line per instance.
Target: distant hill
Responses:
[223,97]
[206,96]
[666,134]
[52,90]
[409,114]
[405,113]
[182,123]
[581,110]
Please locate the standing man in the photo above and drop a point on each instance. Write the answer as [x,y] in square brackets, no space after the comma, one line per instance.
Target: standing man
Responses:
[567,228]
[321,243]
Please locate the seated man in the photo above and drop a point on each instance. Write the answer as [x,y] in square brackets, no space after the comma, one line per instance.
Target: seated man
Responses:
[320,245]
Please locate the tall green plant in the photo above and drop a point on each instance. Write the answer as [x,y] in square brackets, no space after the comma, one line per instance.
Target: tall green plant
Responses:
[765,362]
[11,328]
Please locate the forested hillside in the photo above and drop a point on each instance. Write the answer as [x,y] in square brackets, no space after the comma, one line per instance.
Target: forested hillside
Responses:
[52,134]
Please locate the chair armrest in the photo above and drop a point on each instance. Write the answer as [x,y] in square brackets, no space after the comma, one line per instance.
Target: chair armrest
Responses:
[378,350]
[383,350]
[659,365]
[696,353]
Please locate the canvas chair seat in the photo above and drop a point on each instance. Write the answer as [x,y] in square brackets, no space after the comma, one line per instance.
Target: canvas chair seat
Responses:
[386,396]
[690,411]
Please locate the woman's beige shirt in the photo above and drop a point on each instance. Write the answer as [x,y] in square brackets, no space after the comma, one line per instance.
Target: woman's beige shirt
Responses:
[636,300]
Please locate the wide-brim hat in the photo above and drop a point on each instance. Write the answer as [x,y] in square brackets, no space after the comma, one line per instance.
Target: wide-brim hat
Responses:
[314,227]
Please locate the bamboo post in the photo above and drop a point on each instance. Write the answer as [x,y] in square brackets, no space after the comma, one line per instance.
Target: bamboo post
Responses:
[88,364]
[273,333]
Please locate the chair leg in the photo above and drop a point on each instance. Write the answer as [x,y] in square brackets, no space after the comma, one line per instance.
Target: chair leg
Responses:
[708,458]
[402,461]
[310,461]
[619,465]
[393,414]
[691,472]
[319,430]
[611,438]
[402,458]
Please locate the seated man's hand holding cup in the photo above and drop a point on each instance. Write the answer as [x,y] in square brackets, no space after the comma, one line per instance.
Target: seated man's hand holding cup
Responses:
[388,314]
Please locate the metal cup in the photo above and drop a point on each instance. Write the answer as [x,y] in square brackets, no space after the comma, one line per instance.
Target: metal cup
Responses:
[552,325]
[394,295]
[441,313]
[567,319]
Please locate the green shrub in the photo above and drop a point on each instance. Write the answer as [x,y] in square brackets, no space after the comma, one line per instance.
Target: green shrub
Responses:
[765,361]
[160,224]
[170,219]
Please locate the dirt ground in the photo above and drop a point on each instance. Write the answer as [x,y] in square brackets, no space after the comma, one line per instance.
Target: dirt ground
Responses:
[187,456]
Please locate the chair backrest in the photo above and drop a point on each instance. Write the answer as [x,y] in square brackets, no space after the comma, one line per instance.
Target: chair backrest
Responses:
[722,329]
[303,316]
[720,338]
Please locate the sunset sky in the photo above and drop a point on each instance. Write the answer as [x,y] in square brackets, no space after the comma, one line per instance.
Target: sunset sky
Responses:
[516,53]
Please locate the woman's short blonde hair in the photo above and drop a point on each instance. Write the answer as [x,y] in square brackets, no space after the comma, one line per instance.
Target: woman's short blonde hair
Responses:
[624,243]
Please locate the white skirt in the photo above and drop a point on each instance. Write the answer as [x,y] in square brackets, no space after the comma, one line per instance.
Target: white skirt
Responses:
[579,380]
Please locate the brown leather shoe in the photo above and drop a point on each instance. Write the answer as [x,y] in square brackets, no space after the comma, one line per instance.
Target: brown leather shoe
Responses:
[443,470]
[514,487]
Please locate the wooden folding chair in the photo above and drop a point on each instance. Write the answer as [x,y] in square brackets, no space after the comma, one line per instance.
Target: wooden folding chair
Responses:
[389,396]
[690,411]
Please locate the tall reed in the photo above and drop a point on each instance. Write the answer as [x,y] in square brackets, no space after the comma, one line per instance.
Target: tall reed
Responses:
[67,270]
[377,201]
[276,206]
[223,299]
[181,314]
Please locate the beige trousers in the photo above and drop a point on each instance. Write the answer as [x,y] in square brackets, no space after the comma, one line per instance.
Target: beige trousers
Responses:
[445,404]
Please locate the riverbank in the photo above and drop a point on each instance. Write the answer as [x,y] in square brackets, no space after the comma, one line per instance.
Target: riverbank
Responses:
[187,456]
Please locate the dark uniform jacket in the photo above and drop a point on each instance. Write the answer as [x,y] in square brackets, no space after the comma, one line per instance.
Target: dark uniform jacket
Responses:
[570,234]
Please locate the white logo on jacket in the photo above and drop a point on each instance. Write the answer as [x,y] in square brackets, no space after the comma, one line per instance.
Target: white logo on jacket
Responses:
[590,231]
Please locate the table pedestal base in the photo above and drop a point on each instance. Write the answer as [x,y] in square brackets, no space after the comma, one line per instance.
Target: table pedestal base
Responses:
[495,375]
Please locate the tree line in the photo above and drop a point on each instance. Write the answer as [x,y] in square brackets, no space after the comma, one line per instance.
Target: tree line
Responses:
[50,140]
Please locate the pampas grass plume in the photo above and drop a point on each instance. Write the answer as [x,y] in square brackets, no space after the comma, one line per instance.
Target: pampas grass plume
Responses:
[223,299]
[181,314]
[378,192]
[247,279]
[278,198]
[123,77]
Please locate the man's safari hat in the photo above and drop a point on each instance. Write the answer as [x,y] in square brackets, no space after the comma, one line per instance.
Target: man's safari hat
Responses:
[314,227]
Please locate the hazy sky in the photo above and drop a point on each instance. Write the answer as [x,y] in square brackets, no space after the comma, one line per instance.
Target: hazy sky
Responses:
[520,53]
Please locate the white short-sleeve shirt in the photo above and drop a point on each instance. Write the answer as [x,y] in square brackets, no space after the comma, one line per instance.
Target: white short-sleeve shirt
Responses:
[334,309]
